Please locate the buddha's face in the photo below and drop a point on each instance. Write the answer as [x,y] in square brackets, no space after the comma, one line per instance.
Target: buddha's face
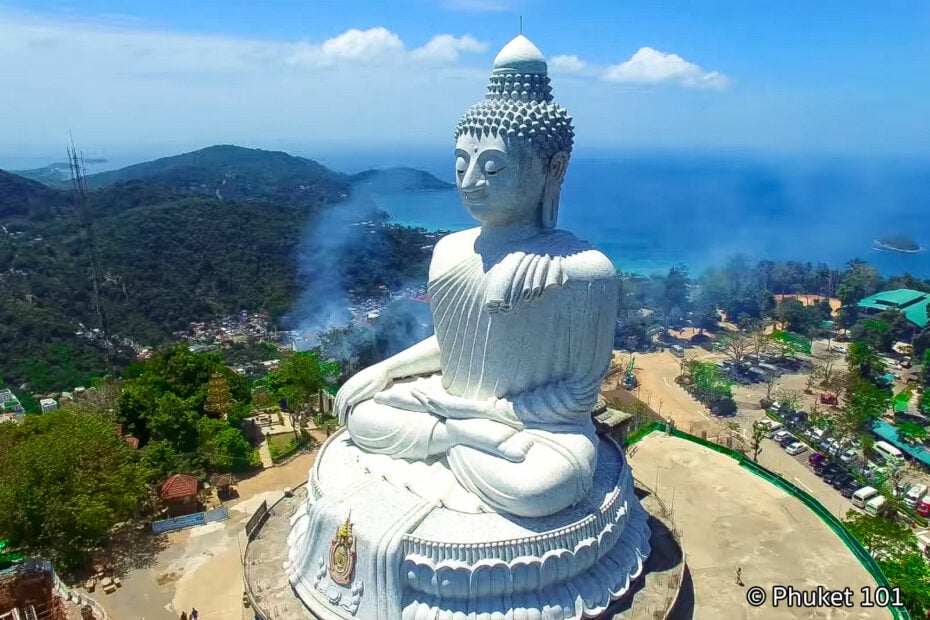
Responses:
[500,182]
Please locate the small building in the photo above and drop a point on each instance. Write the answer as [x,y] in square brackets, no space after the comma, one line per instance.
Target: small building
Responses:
[179,492]
[48,405]
[6,396]
[913,304]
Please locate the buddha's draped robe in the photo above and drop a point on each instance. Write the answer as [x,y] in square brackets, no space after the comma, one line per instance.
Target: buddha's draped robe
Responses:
[537,330]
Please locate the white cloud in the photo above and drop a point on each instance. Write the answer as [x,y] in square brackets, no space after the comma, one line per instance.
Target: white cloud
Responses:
[379,46]
[567,64]
[651,67]
[132,87]
[445,48]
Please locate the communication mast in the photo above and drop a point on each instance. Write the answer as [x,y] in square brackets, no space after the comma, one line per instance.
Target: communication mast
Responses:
[85,219]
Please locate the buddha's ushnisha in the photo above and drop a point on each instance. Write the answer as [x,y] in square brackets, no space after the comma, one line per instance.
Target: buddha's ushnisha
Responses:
[524,316]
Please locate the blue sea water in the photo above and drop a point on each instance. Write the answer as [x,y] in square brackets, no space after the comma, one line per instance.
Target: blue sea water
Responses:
[648,213]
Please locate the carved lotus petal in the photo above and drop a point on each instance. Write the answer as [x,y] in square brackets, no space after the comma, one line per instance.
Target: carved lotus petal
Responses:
[585,555]
[556,566]
[453,580]
[526,575]
[491,578]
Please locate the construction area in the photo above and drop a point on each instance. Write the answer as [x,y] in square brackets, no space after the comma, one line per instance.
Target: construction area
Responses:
[32,591]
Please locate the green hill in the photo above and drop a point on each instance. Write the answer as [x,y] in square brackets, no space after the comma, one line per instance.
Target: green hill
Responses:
[172,253]
[235,173]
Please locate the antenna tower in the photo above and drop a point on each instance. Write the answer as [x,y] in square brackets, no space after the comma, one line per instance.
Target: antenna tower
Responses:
[79,191]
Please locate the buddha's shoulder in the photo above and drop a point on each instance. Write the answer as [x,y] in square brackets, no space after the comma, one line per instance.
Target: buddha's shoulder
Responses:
[451,250]
[579,259]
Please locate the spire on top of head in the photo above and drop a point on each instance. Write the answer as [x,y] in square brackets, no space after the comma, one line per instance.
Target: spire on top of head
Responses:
[520,56]
[520,73]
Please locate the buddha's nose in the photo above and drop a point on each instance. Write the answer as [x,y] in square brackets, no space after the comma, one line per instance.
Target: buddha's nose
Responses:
[473,180]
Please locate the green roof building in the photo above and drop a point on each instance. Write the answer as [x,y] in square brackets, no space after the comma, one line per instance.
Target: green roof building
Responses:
[910,302]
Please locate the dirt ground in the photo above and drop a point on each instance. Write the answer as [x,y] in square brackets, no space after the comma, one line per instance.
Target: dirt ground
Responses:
[201,567]
[729,519]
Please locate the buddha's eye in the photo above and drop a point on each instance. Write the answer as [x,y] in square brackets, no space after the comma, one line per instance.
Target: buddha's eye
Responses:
[492,167]
[461,165]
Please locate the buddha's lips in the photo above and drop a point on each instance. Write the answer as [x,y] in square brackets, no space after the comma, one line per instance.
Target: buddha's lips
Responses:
[476,195]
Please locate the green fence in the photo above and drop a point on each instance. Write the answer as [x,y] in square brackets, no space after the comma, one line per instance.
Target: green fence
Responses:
[852,543]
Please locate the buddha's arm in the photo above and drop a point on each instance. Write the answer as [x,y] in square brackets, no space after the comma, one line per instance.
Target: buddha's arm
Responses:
[571,400]
[421,358]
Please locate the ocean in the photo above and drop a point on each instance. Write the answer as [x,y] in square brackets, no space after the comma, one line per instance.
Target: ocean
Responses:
[648,213]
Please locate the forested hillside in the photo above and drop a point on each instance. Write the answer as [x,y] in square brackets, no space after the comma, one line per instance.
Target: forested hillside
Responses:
[170,255]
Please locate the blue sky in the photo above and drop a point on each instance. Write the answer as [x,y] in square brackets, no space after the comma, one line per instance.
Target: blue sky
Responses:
[153,78]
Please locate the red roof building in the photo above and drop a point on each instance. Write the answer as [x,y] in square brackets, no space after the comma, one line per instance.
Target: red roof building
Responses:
[179,492]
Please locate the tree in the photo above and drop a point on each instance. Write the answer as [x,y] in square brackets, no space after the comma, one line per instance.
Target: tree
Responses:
[760,341]
[876,332]
[858,281]
[219,399]
[911,575]
[736,346]
[66,479]
[299,380]
[912,432]
[174,421]
[708,319]
[885,540]
[675,295]
[759,433]
[796,317]
[866,402]
[228,450]
[771,381]
[788,399]
[825,373]
[863,361]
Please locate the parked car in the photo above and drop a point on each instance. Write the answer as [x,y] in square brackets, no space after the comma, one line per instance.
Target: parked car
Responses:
[796,448]
[840,481]
[815,458]
[849,457]
[923,507]
[849,488]
[817,434]
[821,467]
[914,495]
[787,441]
[830,473]
[779,435]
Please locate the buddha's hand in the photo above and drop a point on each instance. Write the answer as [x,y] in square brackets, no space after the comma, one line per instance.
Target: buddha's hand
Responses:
[490,436]
[448,406]
[362,386]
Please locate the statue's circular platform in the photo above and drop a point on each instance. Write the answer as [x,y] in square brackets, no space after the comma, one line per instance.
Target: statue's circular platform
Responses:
[384,538]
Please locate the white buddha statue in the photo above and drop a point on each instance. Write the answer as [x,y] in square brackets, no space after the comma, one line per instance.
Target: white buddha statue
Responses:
[524,315]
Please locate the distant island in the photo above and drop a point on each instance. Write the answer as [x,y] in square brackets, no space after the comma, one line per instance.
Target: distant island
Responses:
[396,180]
[897,243]
[56,173]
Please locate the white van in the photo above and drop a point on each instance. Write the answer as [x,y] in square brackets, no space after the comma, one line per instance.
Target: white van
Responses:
[914,495]
[862,496]
[886,450]
[874,506]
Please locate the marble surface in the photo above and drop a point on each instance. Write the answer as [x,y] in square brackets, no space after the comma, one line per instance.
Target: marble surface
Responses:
[469,481]
[417,558]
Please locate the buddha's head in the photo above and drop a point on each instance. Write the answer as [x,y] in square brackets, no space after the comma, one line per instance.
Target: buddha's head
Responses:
[512,149]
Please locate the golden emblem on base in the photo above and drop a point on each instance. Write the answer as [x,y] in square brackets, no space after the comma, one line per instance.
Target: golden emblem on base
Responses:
[342,554]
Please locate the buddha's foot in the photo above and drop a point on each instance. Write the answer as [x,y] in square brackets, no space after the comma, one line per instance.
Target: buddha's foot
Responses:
[490,436]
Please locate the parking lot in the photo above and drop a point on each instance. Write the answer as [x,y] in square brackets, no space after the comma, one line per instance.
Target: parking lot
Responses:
[748,397]
[837,470]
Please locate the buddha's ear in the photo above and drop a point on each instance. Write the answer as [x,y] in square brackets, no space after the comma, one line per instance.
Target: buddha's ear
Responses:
[557,167]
